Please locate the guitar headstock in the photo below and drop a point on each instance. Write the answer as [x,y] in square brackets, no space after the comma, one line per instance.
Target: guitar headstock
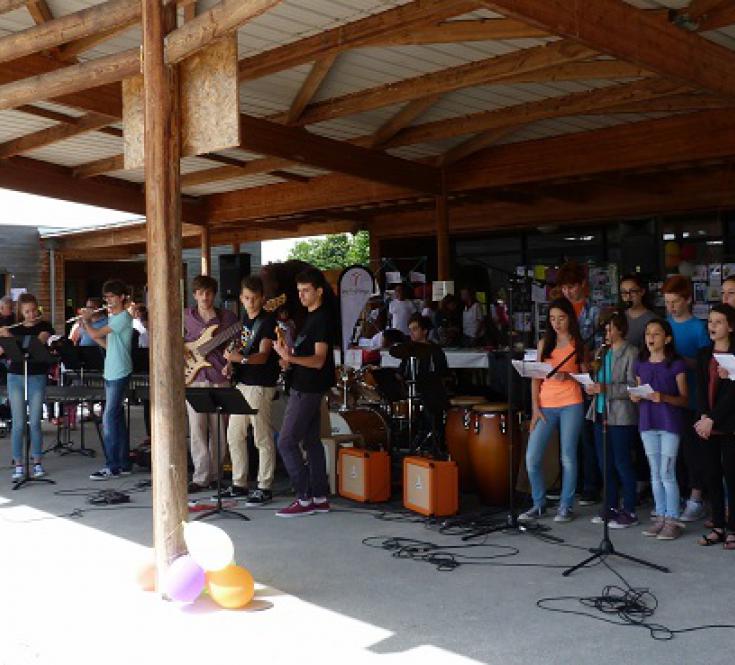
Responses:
[272,304]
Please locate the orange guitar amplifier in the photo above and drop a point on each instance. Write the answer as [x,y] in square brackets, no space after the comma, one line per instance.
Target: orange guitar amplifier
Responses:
[430,487]
[364,475]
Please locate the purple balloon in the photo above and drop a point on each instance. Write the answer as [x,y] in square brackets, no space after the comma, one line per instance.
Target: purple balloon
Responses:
[184,580]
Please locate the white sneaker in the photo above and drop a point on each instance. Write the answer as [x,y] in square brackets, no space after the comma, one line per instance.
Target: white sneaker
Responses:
[38,471]
[694,511]
[533,514]
[18,473]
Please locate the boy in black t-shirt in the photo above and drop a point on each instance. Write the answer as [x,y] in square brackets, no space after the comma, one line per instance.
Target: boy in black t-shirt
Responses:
[254,366]
[312,363]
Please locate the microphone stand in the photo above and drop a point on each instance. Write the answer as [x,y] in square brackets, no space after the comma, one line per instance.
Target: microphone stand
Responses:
[606,547]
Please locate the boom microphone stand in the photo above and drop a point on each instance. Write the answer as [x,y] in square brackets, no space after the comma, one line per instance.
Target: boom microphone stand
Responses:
[606,547]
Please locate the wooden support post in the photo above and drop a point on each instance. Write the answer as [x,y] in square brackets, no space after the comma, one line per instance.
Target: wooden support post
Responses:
[442,233]
[235,247]
[206,252]
[163,213]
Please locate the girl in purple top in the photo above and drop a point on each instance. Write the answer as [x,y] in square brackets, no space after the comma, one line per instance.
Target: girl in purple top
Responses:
[660,422]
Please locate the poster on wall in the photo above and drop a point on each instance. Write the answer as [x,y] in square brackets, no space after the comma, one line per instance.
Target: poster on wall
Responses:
[355,288]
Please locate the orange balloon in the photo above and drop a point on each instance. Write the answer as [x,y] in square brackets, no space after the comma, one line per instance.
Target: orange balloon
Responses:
[145,576]
[232,587]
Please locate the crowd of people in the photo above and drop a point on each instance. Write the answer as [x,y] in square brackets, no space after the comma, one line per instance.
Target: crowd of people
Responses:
[687,405]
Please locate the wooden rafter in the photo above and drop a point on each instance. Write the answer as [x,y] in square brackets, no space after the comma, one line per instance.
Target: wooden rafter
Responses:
[52,33]
[415,14]
[319,71]
[9,5]
[78,46]
[40,11]
[475,144]
[522,114]
[634,35]
[483,72]
[60,132]
[48,114]
[298,145]
[99,167]
[253,167]
[410,112]
[708,14]
[450,32]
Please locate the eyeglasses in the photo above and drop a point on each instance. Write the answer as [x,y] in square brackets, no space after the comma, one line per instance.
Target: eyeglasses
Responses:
[631,292]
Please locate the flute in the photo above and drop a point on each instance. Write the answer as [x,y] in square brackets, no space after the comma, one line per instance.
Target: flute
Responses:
[81,316]
[17,325]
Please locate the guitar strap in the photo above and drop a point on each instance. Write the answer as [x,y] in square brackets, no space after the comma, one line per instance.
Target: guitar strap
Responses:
[256,327]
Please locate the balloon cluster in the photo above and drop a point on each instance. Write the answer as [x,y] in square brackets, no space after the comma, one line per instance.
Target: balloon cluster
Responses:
[210,564]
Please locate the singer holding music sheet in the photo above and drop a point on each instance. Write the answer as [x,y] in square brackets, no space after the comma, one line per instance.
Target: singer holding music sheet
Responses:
[312,364]
[611,402]
[116,338]
[557,402]
[254,366]
[31,325]
[203,426]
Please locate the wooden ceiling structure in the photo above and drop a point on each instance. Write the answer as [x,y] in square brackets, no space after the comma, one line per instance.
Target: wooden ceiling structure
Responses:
[406,117]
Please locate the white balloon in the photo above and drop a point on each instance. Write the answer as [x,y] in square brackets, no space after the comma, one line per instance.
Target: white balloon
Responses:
[208,545]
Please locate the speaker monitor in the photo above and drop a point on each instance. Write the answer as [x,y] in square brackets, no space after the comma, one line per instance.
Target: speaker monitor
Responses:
[430,487]
[364,475]
[232,269]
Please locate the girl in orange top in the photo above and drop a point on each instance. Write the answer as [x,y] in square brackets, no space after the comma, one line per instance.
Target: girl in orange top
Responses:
[557,402]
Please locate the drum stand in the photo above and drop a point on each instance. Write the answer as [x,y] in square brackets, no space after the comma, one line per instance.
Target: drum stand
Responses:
[606,547]
[345,380]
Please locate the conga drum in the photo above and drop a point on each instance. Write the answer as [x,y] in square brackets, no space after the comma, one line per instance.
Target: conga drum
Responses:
[456,434]
[488,444]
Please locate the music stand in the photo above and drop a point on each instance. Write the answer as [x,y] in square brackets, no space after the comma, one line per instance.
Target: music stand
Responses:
[220,401]
[36,352]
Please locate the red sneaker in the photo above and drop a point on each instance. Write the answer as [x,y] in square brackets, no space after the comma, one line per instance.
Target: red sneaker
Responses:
[321,506]
[296,509]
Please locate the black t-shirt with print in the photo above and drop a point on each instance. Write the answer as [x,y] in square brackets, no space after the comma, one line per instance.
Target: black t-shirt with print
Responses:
[24,335]
[318,327]
[263,327]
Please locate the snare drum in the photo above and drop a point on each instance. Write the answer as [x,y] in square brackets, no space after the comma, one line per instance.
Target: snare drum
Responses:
[456,435]
[489,452]
[369,423]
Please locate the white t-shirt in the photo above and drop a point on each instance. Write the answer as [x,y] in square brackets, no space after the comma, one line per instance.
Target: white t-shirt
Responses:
[471,320]
[142,333]
[401,311]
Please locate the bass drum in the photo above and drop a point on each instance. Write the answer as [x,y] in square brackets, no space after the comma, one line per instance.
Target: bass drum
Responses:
[369,423]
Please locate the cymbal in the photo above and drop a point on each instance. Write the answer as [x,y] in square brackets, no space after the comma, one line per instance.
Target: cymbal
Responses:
[410,350]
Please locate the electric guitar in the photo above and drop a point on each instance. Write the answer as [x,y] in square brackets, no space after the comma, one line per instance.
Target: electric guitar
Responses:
[196,352]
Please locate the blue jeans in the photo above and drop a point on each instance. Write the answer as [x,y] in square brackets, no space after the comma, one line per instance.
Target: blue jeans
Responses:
[569,419]
[661,449]
[36,398]
[620,440]
[117,445]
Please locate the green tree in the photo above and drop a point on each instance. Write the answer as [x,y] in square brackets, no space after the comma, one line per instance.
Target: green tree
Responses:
[334,251]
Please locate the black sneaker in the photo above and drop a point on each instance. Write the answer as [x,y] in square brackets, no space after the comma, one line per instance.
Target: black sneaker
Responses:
[104,474]
[193,487]
[259,498]
[235,492]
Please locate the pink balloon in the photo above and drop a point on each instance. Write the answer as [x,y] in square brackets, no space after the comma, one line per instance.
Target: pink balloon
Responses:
[184,580]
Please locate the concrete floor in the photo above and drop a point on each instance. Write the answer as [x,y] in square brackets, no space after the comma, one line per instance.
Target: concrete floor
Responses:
[68,594]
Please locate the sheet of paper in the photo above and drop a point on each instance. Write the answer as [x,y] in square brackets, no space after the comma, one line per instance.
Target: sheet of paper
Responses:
[645,391]
[726,361]
[584,379]
[532,370]
[530,355]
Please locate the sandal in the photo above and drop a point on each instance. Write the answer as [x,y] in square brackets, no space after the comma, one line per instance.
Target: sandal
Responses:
[729,543]
[715,537]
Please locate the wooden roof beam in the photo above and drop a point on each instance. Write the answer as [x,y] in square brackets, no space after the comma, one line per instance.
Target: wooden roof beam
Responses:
[483,72]
[319,71]
[475,144]
[299,145]
[523,114]
[634,35]
[242,170]
[61,132]
[55,32]
[405,117]
[451,32]
[703,15]
[415,14]
[40,11]
[10,5]
[99,167]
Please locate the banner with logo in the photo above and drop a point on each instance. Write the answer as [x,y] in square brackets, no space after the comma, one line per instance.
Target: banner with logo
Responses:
[356,285]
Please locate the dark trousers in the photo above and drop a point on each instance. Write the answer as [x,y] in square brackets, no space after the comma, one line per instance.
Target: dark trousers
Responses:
[591,478]
[620,469]
[718,453]
[301,425]
[691,455]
